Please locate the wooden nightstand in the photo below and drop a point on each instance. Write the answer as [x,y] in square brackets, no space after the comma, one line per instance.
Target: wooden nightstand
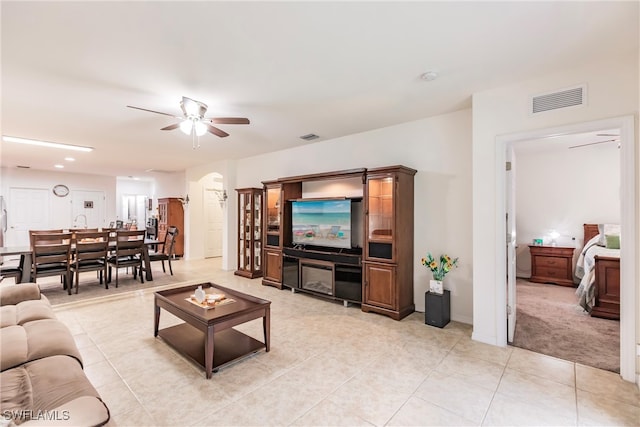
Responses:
[552,264]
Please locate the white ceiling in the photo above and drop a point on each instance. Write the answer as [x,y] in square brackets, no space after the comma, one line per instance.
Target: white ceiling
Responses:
[331,68]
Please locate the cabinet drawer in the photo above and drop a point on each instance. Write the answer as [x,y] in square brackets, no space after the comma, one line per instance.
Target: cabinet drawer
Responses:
[552,262]
[553,272]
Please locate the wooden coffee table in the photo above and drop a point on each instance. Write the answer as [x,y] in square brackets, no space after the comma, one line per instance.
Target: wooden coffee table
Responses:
[207,336]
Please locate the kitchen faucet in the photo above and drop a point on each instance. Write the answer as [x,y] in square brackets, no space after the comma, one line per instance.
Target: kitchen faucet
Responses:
[75,220]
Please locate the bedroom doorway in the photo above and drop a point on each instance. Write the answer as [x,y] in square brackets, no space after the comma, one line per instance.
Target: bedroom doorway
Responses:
[627,218]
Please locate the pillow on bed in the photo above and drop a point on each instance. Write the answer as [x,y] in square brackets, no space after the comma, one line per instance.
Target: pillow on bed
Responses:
[613,241]
[607,229]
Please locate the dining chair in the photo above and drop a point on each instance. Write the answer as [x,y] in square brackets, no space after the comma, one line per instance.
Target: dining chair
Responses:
[51,256]
[90,254]
[129,247]
[14,271]
[167,251]
[34,232]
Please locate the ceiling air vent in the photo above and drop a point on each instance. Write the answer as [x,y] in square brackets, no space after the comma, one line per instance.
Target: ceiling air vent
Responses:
[309,137]
[571,97]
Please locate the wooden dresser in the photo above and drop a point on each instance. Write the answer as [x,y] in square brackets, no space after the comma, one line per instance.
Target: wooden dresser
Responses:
[552,264]
[171,213]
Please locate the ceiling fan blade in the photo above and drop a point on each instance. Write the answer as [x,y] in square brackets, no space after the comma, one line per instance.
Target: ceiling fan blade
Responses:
[171,127]
[593,143]
[151,111]
[230,120]
[214,130]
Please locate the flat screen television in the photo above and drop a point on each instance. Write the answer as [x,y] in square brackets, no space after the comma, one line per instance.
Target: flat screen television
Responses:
[324,222]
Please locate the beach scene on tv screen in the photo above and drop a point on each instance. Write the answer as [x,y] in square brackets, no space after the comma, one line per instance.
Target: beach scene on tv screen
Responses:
[322,223]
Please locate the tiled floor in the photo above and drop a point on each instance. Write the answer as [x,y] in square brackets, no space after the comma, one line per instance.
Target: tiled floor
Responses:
[332,365]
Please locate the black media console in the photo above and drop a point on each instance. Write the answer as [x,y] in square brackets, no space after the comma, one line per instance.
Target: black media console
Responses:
[330,274]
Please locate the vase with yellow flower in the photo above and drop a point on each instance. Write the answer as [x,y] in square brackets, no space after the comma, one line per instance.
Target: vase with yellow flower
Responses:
[439,270]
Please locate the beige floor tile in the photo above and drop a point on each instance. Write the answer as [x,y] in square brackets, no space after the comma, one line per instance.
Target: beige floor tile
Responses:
[454,393]
[606,384]
[490,353]
[91,355]
[542,365]
[507,411]
[138,417]
[231,415]
[536,390]
[83,340]
[118,398]
[373,402]
[327,413]
[596,410]
[101,373]
[417,412]
[476,371]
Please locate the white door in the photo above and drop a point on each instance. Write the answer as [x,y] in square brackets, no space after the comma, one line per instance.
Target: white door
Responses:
[27,209]
[87,209]
[511,244]
[213,223]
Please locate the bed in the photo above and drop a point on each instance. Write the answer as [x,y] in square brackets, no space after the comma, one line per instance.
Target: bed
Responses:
[598,269]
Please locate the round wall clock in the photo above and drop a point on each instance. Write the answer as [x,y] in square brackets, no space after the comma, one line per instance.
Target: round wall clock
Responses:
[61,190]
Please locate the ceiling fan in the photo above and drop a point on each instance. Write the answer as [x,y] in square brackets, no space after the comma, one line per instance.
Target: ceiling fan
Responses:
[612,138]
[193,122]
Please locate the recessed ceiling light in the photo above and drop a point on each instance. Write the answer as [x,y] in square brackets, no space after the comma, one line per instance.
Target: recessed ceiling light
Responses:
[59,166]
[45,143]
[70,159]
[429,76]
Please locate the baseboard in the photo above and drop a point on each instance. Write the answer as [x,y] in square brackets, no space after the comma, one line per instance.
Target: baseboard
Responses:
[492,340]
[462,319]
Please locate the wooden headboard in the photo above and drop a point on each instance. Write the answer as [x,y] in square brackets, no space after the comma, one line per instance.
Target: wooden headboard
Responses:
[590,231]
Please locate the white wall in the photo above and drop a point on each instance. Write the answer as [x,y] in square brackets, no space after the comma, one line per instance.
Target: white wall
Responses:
[562,189]
[439,148]
[612,92]
[60,207]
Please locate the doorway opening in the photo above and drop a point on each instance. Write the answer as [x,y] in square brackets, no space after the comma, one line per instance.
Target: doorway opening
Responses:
[214,201]
[628,215]
[559,185]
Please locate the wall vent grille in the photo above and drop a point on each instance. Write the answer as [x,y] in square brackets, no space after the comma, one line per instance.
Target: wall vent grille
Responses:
[571,97]
[309,137]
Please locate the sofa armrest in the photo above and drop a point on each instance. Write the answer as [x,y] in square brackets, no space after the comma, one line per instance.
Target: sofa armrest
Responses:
[82,411]
[13,294]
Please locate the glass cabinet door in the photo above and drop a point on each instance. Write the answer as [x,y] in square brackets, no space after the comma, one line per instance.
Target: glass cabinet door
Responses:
[380,203]
[273,210]
[249,232]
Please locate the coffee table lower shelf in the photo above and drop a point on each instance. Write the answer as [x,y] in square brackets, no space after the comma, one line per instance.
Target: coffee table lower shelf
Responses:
[229,344]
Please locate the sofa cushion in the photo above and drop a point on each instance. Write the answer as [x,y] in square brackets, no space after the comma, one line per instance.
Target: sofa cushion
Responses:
[26,311]
[13,294]
[49,337]
[49,387]
[14,350]
[36,340]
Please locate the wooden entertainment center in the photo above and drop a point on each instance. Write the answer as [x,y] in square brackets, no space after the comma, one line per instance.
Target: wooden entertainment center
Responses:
[377,271]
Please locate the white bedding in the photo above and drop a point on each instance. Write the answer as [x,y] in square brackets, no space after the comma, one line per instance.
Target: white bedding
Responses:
[585,270]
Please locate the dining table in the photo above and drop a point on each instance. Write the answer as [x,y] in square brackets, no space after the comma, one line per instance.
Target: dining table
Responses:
[25,253]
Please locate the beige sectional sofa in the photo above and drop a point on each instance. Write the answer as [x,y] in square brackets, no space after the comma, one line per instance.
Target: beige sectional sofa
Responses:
[42,380]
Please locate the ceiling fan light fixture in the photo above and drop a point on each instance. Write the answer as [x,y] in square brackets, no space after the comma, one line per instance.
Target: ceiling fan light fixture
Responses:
[199,127]
[185,126]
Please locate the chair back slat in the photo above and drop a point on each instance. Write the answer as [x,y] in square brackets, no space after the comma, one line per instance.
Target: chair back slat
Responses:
[91,245]
[33,233]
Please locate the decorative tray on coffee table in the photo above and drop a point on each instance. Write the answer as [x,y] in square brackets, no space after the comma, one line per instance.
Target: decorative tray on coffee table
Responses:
[211,300]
